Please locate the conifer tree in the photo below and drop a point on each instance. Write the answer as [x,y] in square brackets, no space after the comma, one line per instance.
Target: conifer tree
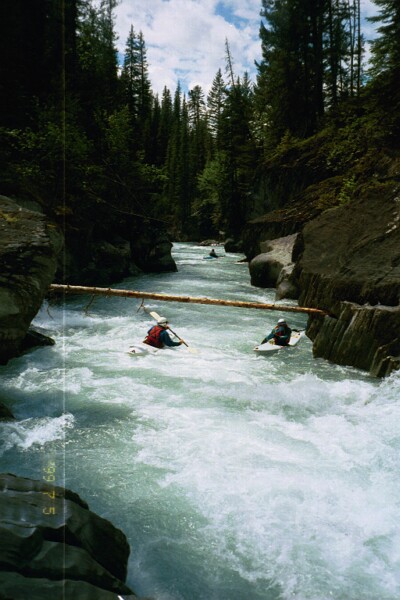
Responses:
[172,188]
[386,48]
[199,134]
[290,81]
[98,71]
[144,86]
[165,126]
[238,155]
[131,74]
[215,104]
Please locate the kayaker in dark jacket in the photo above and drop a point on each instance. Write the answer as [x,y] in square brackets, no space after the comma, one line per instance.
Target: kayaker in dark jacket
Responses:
[158,336]
[213,254]
[281,334]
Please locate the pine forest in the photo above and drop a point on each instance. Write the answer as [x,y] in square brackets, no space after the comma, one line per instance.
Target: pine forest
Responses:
[83,134]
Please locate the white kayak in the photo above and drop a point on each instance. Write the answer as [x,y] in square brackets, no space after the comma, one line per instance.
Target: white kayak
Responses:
[141,349]
[270,346]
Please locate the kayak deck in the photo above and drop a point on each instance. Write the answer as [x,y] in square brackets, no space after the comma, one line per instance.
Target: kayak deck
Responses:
[270,346]
[141,349]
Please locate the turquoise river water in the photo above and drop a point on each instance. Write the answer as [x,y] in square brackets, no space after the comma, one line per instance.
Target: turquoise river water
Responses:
[234,476]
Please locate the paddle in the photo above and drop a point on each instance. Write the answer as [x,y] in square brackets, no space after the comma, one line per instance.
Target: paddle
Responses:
[177,336]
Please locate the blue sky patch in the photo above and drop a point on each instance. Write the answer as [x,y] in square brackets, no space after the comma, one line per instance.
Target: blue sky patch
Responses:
[225,11]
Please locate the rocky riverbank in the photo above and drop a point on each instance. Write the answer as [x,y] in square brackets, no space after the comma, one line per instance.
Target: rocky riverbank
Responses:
[33,255]
[346,261]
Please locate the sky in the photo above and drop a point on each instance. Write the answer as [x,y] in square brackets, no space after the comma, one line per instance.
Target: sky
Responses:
[185,39]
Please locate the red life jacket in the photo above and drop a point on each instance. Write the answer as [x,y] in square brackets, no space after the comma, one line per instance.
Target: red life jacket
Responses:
[153,337]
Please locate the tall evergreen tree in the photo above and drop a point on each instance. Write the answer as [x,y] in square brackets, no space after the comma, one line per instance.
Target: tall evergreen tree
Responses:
[386,48]
[290,77]
[165,127]
[238,155]
[215,104]
[199,134]
[144,91]
[98,70]
[130,74]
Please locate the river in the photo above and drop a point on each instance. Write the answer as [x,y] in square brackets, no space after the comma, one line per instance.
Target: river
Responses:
[234,476]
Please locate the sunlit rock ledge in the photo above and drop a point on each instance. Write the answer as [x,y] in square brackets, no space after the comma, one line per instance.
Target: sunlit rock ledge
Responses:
[53,546]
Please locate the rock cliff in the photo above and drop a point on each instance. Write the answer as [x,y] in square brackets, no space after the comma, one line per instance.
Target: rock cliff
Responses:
[348,263]
[138,246]
[29,250]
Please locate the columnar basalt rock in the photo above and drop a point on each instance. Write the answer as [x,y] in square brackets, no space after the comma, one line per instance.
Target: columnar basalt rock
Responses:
[349,265]
[366,337]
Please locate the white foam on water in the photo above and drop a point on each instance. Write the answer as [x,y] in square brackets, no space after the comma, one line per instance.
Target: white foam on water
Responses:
[319,494]
[221,465]
[34,432]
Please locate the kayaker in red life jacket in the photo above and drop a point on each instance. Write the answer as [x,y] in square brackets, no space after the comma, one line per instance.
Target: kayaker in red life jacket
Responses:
[158,337]
[281,334]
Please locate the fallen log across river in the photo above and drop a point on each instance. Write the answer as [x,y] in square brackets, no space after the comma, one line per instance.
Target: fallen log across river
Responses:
[79,289]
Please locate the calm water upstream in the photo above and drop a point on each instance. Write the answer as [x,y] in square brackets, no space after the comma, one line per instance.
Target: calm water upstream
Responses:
[234,476]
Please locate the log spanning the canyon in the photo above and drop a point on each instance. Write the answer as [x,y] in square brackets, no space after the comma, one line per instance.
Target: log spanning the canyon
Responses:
[79,289]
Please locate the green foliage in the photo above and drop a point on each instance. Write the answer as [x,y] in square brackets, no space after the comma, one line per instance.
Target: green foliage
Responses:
[97,147]
[347,191]
[118,133]
[207,205]
[345,147]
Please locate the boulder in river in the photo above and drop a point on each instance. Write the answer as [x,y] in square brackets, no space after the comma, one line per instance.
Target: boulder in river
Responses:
[266,268]
[52,545]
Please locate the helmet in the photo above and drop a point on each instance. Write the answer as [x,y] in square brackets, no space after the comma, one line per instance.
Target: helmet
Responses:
[162,321]
[281,321]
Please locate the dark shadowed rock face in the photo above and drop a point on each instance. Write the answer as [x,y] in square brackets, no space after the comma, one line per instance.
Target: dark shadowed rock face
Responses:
[96,263]
[151,250]
[353,253]
[137,246]
[29,247]
[349,265]
[50,541]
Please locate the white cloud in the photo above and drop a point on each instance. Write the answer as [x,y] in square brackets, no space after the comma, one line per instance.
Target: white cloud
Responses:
[185,39]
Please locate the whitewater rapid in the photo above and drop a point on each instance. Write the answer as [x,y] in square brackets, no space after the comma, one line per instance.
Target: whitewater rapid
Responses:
[234,476]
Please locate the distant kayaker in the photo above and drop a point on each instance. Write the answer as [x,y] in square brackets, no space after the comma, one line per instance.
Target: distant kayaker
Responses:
[281,334]
[158,336]
[213,254]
